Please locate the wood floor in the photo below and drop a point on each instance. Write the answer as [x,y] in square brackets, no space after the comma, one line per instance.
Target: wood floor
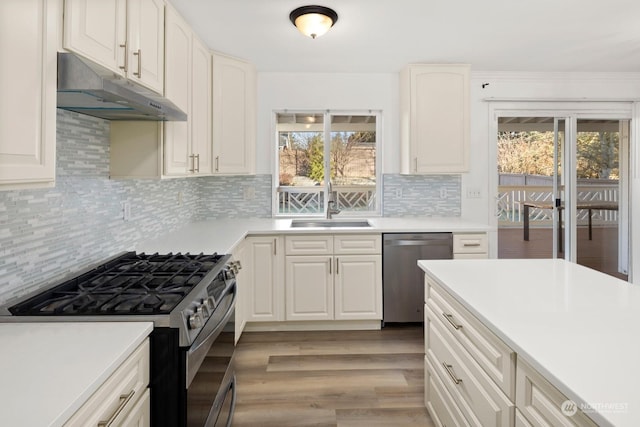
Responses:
[337,378]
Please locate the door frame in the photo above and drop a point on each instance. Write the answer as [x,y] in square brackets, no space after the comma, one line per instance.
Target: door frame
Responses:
[572,111]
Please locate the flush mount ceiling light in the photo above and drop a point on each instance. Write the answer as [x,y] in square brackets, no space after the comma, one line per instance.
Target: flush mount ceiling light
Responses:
[313,21]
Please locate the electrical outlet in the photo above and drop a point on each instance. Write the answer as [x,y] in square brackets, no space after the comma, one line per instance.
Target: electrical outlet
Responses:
[399,193]
[474,193]
[180,198]
[443,193]
[126,210]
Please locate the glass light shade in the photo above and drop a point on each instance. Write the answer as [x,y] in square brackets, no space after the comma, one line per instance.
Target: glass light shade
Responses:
[313,24]
[313,21]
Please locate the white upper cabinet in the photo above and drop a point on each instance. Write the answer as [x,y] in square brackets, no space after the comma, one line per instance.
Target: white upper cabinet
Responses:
[28,34]
[125,36]
[234,116]
[435,125]
[145,42]
[177,89]
[187,145]
[200,113]
[96,29]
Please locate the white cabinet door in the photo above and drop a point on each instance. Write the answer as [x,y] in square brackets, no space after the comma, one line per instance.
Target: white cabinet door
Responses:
[435,124]
[358,287]
[264,273]
[234,115]
[96,30]
[145,39]
[177,89]
[309,287]
[242,287]
[200,113]
[28,34]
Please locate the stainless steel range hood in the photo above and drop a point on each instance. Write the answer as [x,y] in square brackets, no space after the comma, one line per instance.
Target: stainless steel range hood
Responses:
[90,89]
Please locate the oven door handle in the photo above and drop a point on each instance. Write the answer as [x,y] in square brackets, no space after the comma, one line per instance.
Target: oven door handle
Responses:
[211,330]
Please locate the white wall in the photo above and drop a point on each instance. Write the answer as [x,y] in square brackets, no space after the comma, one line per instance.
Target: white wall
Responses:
[333,91]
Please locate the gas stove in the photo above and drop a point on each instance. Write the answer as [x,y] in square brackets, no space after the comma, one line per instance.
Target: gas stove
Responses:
[190,298]
[171,290]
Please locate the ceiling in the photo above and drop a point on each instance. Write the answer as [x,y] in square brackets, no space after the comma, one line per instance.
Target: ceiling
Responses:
[381,36]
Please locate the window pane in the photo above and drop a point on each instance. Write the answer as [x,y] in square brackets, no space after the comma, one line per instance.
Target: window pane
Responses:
[301,163]
[353,162]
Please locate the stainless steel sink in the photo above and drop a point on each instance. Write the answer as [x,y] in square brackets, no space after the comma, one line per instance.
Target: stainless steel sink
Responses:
[329,223]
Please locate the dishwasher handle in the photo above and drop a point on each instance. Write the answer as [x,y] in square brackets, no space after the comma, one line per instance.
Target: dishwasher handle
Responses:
[422,242]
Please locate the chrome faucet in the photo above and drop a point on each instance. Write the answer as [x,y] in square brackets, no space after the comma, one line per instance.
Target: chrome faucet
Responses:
[331,204]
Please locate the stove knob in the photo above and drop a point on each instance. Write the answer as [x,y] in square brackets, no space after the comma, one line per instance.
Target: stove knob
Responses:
[195,321]
[203,311]
[210,304]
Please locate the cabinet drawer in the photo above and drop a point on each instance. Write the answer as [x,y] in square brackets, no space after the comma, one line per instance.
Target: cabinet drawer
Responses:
[470,243]
[541,403]
[493,355]
[438,400]
[309,245]
[119,393]
[357,244]
[481,401]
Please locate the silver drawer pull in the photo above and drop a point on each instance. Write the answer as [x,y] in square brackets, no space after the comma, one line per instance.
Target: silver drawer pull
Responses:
[449,318]
[124,399]
[449,369]
[470,244]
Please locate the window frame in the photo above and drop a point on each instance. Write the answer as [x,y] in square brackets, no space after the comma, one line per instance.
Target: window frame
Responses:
[327,114]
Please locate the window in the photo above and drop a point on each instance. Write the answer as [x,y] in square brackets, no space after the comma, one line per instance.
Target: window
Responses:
[304,160]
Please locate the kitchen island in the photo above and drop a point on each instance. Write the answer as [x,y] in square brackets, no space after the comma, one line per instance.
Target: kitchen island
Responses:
[49,370]
[574,327]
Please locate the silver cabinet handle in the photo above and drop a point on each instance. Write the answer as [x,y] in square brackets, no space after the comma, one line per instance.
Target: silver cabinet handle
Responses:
[337,265]
[198,159]
[468,245]
[330,262]
[275,247]
[126,58]
[124,399]
[193,163]
[449,317]
[139,55]
[217,162]
[449,369]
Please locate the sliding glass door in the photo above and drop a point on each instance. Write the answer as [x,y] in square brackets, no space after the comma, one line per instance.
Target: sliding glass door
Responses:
[563,190]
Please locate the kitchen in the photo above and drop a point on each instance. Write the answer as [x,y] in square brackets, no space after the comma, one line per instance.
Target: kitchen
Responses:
[47,233]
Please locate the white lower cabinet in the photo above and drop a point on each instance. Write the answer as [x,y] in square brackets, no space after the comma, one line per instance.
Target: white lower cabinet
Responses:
[263,274]
[123,399]
[472,372]
[471,245]
[333,277]
[541,404]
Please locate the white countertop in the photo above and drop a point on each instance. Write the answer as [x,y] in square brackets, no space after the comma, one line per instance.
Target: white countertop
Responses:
[222,235]
[578,327]
[48,370]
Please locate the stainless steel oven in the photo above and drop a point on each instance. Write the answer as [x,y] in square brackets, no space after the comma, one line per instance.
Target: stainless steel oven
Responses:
[191,301]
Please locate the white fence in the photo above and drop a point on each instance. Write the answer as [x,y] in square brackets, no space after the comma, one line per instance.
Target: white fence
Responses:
[510,210]
[305,200]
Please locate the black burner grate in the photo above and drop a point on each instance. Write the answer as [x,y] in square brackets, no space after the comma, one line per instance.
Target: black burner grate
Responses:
[129,284]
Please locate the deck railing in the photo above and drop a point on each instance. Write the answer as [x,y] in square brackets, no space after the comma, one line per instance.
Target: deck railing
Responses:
[510,211]
[309,200]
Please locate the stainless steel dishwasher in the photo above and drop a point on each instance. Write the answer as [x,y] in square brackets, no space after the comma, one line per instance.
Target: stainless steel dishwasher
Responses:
[402,279]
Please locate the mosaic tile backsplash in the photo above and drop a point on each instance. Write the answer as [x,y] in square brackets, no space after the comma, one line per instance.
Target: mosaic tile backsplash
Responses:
[47,233]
